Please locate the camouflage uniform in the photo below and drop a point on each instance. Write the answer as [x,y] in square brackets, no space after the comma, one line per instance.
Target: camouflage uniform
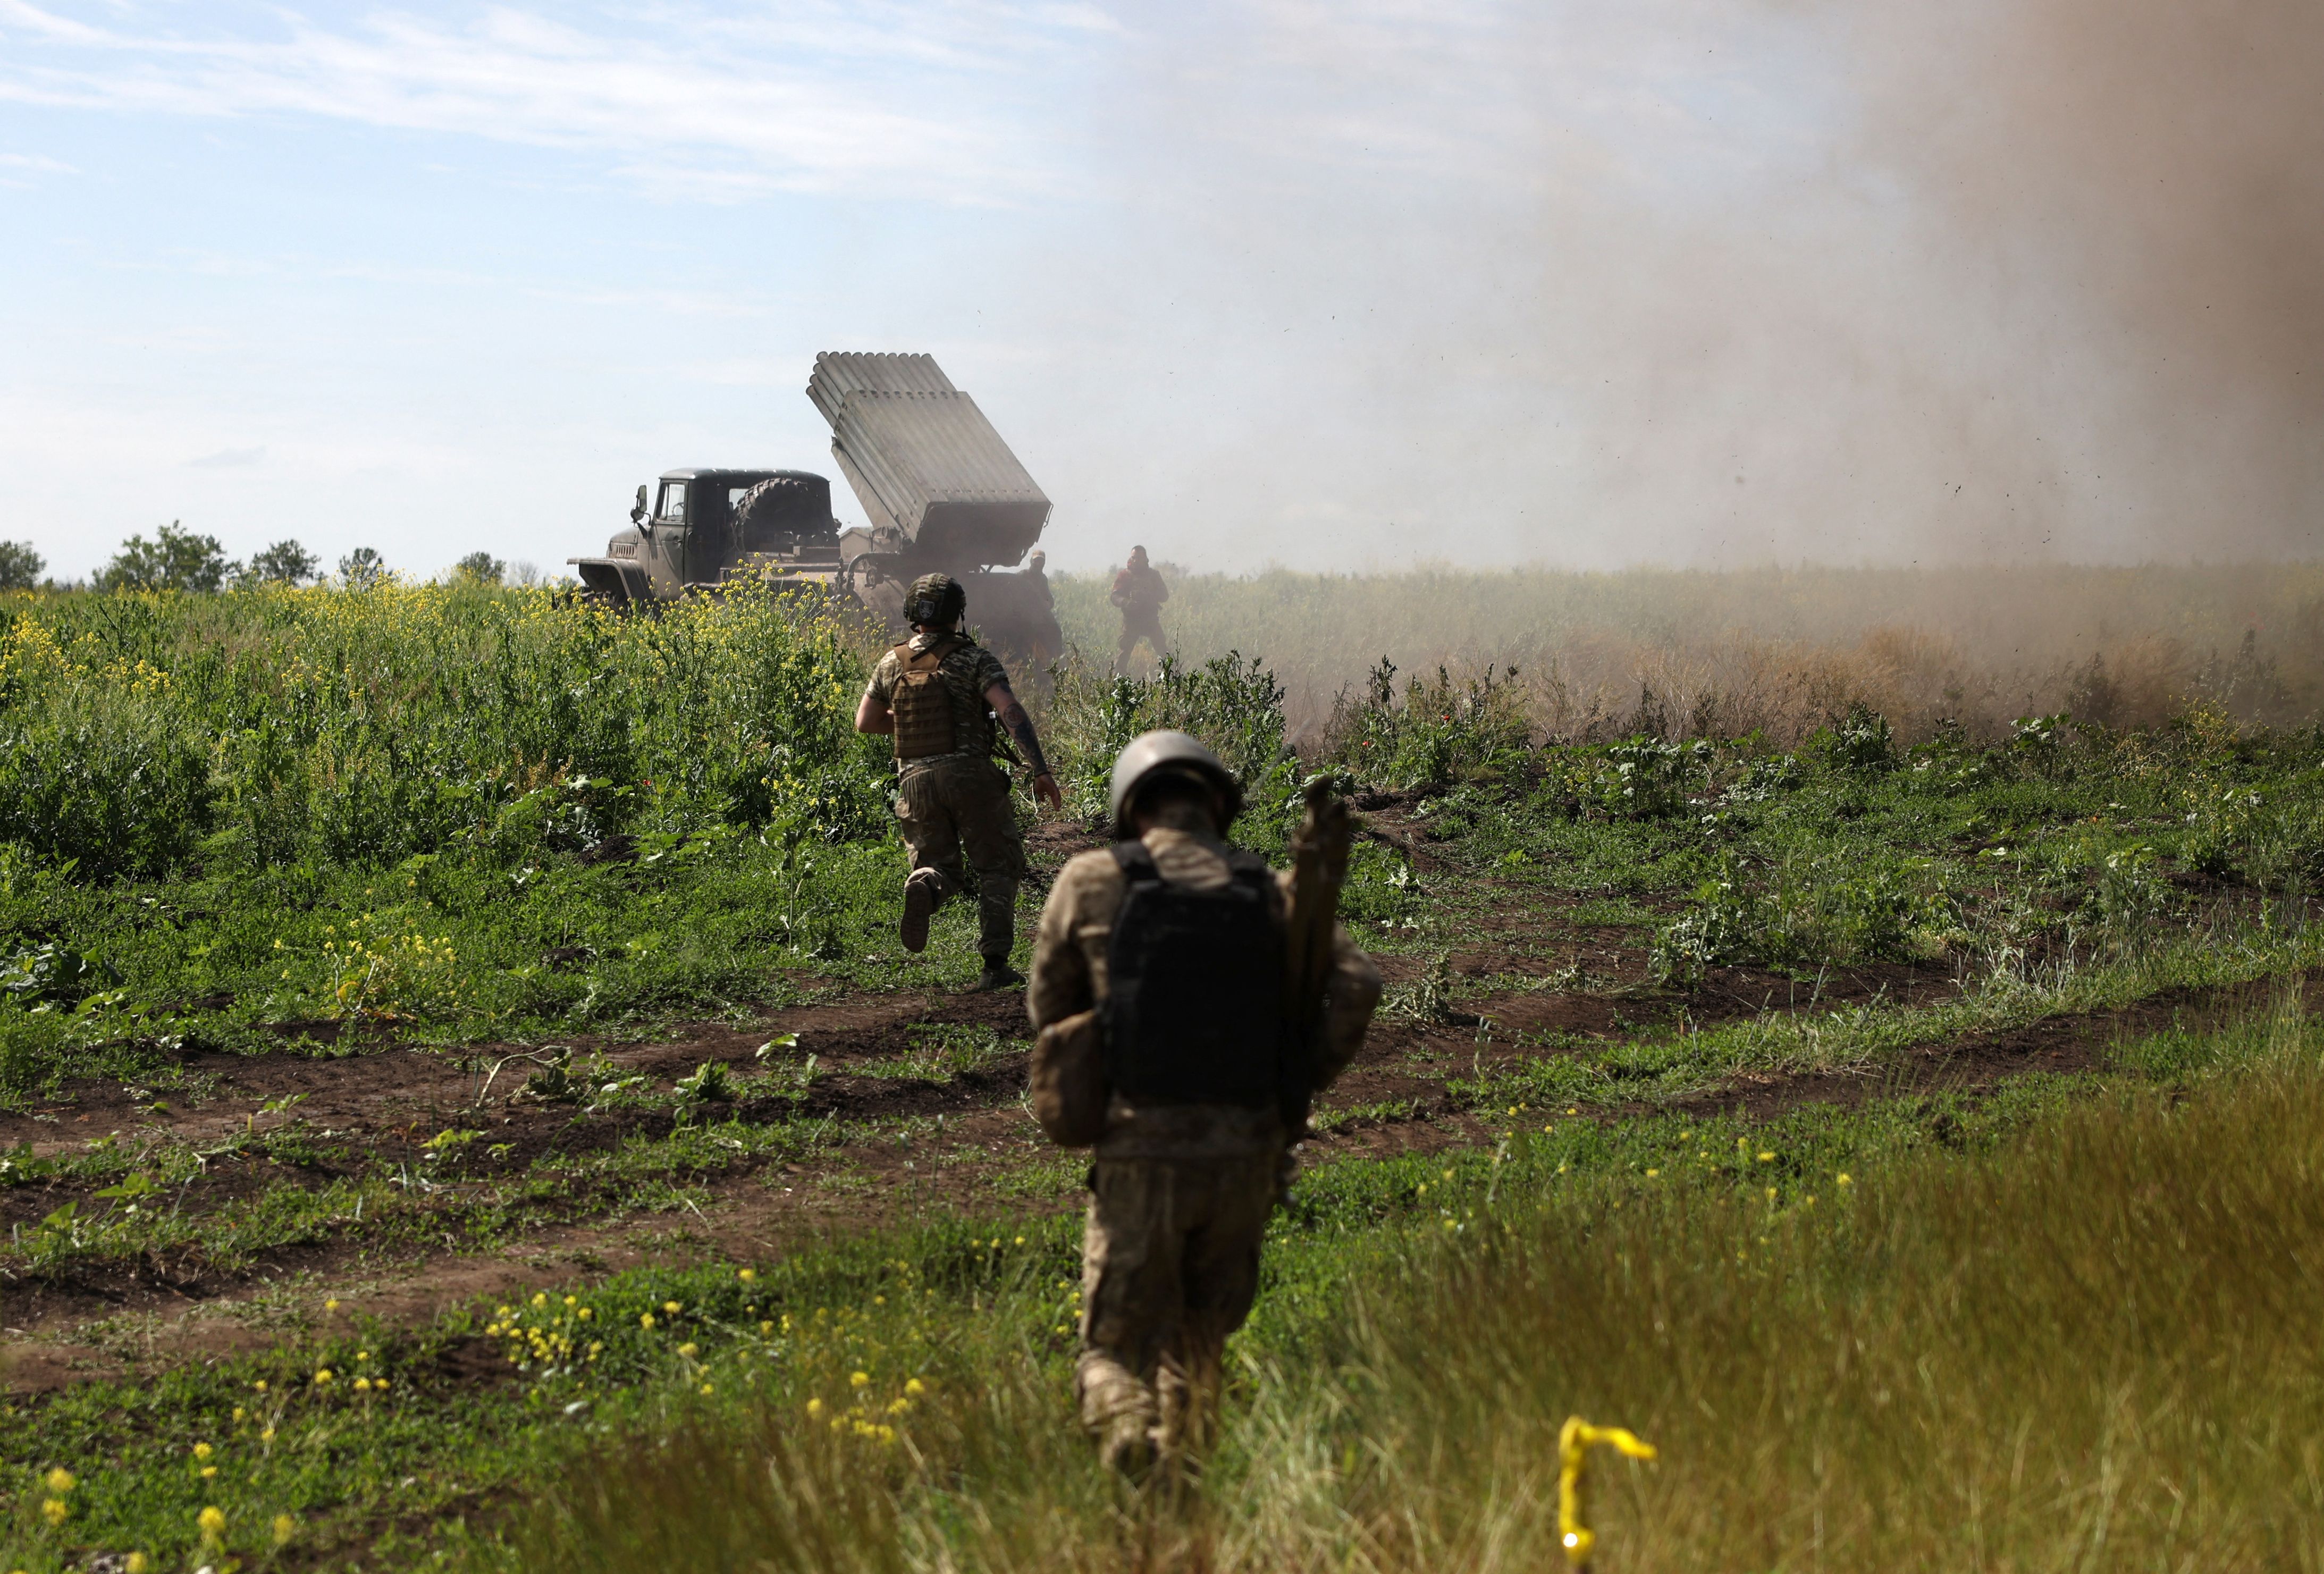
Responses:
[950,803]
[1180,1195]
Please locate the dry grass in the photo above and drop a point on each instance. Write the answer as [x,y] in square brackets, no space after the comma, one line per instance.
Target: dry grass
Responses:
[1687,654]
[2090,1350]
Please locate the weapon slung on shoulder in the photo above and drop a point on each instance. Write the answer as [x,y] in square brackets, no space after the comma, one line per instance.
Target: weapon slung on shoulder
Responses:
[1319,866]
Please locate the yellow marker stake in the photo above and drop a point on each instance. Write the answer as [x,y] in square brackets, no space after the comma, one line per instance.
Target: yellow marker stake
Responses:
[1573,1442]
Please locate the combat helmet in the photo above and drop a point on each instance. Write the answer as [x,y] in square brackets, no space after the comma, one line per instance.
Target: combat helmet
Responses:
[1168,752]
[936,600]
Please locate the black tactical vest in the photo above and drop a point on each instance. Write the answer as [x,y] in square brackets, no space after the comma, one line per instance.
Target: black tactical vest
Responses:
[1193,1009]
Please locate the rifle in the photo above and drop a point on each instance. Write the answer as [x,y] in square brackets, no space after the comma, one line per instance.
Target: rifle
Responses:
[1319,868]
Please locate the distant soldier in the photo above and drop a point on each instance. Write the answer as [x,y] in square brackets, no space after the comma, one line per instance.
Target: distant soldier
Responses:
[1140,593]
[937,693]
[1176,941]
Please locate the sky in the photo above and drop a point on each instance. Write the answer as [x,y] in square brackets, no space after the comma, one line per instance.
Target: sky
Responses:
[1352,286]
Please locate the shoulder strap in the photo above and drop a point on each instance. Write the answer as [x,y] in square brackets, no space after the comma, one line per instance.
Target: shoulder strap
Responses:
[933,656]
[1135,860]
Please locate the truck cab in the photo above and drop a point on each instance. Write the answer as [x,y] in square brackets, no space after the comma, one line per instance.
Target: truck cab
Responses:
[700,529]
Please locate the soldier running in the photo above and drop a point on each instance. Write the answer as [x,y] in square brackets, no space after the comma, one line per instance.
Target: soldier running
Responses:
[1177,939]
[1139,591]
[937,693]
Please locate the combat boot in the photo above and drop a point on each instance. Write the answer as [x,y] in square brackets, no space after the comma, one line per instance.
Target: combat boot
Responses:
[920,893]
[998,975]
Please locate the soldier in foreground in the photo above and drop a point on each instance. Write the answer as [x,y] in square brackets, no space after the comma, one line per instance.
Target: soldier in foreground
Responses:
[1162,961]
[1139,591]
[937,693]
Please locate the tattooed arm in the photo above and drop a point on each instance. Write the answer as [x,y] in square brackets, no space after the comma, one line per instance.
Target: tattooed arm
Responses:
[1004,703]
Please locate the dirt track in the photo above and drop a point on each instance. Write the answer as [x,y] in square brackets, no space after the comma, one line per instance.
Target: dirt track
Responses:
[915,1146]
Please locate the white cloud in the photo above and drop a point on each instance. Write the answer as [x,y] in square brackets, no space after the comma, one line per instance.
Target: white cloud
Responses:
[20,171]
[881,100]
[227,459]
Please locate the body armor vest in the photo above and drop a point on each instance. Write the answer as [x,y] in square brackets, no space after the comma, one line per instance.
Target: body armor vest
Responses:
[926,722]
[1193,1008]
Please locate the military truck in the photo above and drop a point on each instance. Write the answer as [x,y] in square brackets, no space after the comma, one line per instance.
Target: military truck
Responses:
[942,493]
[699,529]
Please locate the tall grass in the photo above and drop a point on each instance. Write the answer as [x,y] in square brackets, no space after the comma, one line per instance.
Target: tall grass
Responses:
[1684,653]
[2090,1347]
[274,726]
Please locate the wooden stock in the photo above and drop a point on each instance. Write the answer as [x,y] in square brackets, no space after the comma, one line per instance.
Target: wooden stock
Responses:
[1319,865]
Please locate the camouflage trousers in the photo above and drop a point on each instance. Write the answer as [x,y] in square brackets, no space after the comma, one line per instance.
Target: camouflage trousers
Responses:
[1169,1267]
[954,806]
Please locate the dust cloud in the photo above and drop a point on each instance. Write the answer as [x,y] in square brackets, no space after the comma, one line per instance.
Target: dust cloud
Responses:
[2160,165]
[1714,286]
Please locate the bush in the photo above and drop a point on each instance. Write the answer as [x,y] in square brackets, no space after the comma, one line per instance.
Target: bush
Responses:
[1440,731]
[1231,703]
[116,781]
[1642,778]
[1811,913]
[1860,743]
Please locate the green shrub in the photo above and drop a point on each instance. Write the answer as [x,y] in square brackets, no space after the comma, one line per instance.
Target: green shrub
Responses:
[1439,731]
[118,782]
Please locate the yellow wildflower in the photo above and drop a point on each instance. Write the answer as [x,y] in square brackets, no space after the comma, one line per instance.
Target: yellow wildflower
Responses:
[285,1527]
[60,1480]
[646,1321]
[915,1388]
[748,1275]
[815,1410]
[211,1521]
[672,1307]
[138,1563]
[323,1377]
[688,1349]
[858,1379]
[201,1451]
[55,1510]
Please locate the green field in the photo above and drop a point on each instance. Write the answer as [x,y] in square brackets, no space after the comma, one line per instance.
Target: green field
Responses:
[462,1103]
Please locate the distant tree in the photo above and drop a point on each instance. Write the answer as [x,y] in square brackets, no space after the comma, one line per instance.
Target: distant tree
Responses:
[481,567]
[20,565]
[174,559]
[525,573]
[284,563]
[363,568]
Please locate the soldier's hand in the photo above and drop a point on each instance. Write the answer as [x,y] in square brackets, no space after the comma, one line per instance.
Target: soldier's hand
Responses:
[1045,791]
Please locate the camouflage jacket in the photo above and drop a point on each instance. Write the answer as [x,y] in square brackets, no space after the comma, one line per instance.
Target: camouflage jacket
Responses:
[967,673]
[1069,975]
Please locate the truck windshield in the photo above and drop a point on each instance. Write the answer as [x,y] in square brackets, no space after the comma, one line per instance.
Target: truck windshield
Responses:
[673,502]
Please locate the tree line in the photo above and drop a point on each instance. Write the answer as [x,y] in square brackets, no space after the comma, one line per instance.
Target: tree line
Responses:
[186,560]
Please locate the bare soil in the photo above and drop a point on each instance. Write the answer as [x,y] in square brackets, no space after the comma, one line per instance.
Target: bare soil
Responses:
[956,1145]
